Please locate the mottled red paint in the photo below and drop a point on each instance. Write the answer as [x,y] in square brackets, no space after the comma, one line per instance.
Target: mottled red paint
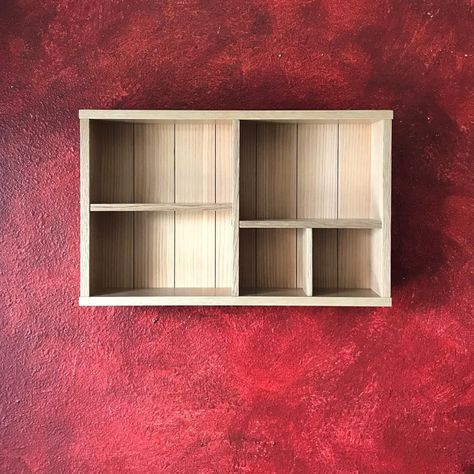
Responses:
[251,390]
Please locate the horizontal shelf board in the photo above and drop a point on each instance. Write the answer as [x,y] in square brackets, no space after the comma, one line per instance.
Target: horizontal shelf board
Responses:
[345,292]
[160,207]
[271,292]
[221,296]
[269,115]
[312,224]
[174,292]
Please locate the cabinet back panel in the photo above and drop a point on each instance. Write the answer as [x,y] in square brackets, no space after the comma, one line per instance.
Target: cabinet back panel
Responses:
[342,258]
[276,258]
[317,170]
[111,162]
[325,258]
[276,171]
[247,258]
[354,171]
[111,250]
[203,160]
[154,162]
[248,170]
[153,250]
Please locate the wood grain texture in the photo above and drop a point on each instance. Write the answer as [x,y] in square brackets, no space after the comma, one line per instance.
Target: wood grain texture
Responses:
[85,202]
[276,171]
[381,204]
[312,223]
[302,208]
[195,182]
[111,162]
[153,162]
[269,115]
[317,170]
[111,262]
[324,259]
[248,170]
[247,202]
[153,253]
[247,259]
[145,207]
[224,231]
[354,197]
[276,258]
[235,192]
[255,297]
[306,261]
[153,183]
[354,266]
[276,198]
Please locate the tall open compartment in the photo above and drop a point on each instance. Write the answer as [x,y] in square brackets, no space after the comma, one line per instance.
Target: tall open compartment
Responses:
[235,207]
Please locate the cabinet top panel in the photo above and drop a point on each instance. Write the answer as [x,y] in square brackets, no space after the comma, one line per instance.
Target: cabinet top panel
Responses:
[268,115]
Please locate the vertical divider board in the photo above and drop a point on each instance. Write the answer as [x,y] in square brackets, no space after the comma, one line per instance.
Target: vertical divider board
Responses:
[235,222]
[224,193]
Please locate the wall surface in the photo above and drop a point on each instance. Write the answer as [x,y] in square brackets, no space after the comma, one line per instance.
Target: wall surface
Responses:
[251,390]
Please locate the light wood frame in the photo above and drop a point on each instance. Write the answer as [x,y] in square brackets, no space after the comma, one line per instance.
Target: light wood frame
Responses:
[235,208]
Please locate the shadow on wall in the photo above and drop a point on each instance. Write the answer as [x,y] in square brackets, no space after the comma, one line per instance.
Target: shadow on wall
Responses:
[424,143]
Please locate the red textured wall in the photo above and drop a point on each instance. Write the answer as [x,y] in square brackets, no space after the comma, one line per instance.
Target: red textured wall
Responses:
[251,390]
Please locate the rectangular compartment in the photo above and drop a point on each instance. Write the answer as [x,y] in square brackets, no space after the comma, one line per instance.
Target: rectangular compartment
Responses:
[310,170]
[347,262]
[160,162]
[275,262]
[181,241]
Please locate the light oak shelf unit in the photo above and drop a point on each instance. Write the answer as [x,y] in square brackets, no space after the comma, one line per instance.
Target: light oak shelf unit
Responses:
[235,207]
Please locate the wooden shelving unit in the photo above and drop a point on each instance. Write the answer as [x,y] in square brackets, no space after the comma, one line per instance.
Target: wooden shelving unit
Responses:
[235,207]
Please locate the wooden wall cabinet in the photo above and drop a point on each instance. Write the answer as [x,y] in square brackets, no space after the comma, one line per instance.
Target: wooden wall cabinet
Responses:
[235,207]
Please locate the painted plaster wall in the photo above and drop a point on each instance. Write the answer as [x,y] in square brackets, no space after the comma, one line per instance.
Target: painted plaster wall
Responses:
[251,390]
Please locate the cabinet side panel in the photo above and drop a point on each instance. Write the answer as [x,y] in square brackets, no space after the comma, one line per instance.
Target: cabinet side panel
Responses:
[317,170]
[111,251]
[154,183]
[85,207]
[276,171]
[224,247]
[381,206]
[276,258]
[354,266]
[111,164]
[195,165]
[354,171]
[325,258]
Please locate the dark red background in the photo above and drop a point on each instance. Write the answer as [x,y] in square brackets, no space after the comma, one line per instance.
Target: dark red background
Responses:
[254,390]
